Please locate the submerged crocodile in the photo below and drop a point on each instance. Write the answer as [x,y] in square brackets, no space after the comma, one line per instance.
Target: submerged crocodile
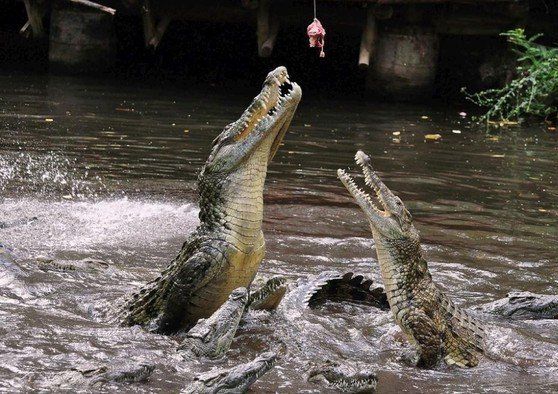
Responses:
[95,376]
[344,377]
[225,251]
[234,380]
[12,278]
[18,222]
[524,305]
[428,317]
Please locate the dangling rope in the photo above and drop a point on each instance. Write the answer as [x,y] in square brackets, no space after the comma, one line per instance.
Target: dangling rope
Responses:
[316,33]
[315,16]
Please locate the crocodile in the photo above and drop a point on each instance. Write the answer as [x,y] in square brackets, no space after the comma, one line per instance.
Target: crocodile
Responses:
[84,265]
[18,222]
[226,249]
[267,293]
[213,336]
[429,318]
[524,305]
[96,376]
[315,290]
[344,377]
[12,278]
[234,380]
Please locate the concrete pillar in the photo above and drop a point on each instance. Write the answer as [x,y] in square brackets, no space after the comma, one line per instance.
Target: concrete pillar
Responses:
[404,65]
[81,40]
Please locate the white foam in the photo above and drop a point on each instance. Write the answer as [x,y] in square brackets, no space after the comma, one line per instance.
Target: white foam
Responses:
[83,226]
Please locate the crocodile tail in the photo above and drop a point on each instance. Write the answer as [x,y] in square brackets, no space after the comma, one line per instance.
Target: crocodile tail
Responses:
[459,352]
[347,287]
[464,327]
[140,307]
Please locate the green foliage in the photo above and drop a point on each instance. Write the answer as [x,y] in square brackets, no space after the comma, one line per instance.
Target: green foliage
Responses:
[534,91]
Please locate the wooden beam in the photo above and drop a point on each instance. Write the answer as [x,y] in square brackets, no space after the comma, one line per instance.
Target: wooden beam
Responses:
[153,32]
[25,31]
[159,31]
[368,40]
[35,13]
[147,21]
[96,6]
[267,28]
[262,28]
[267,46]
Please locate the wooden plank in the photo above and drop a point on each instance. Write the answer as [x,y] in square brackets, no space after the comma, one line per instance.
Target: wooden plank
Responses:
[96,6]
[368,40]
[35,14]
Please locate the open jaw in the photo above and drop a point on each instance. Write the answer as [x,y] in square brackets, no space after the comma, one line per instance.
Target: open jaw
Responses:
[261,364]
[380,207]
[272,110]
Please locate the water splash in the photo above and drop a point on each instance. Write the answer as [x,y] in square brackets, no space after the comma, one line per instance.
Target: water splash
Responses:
[48,175]
[97,228]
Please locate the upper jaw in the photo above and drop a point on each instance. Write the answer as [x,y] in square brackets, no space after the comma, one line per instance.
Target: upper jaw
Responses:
[269,114]
[278,95]
[262,364]
[373,181]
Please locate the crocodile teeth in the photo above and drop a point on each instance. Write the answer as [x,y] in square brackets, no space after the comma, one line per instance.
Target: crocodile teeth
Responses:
[371,179]
[357,192]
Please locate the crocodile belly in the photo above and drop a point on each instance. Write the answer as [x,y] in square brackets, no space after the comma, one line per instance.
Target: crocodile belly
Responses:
[239,272]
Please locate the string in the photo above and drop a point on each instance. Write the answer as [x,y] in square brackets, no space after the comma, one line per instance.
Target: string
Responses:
[315,17]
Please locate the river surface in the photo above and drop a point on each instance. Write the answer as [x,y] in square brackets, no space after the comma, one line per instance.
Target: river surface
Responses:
[103,170]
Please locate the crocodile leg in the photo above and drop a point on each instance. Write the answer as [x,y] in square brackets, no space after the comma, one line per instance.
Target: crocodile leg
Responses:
[424,333]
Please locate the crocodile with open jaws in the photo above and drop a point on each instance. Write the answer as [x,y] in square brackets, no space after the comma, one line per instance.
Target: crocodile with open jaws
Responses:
[226,249]
[429,318]
[213,336]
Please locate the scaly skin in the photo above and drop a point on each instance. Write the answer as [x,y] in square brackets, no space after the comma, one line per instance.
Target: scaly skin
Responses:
[430,319]
[232,381]
[524,305]
[97,376]
[212,337]
[344,377]
[225,251]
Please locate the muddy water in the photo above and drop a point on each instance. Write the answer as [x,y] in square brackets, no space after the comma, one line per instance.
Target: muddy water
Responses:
[99,170]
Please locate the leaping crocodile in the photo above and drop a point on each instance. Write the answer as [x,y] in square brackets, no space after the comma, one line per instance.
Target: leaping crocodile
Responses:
[428,317]
[226,249]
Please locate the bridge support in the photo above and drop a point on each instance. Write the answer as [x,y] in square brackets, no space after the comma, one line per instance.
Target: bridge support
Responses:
[81,40]
[34,26]
[368,40]
[404,64]
[267,28]
[152,31]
